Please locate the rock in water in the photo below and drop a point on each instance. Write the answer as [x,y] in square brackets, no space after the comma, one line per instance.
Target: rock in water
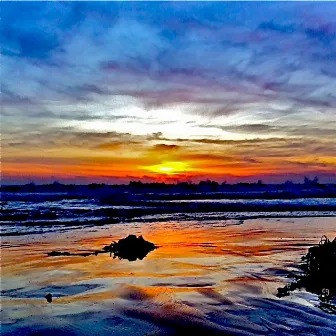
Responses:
[130,248]
[49,298]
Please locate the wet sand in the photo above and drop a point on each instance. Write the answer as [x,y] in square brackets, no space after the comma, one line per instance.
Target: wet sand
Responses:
[214,277]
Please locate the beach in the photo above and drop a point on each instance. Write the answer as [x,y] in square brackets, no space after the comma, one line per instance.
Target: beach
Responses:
[168,168]
[205,277]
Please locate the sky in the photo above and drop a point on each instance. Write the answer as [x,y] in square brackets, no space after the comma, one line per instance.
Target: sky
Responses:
[168,91]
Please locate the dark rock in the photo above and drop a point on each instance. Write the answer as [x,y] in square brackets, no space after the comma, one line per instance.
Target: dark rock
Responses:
[49,298]
[318,274]
[56,254]
[130,248]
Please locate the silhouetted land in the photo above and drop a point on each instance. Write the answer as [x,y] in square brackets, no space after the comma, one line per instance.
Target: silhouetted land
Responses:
[136,190]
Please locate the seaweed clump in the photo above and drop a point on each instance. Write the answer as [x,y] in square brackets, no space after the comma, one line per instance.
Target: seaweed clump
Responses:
[318,274]
[130,248]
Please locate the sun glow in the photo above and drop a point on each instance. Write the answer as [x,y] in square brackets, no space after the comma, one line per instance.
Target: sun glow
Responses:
[169,168]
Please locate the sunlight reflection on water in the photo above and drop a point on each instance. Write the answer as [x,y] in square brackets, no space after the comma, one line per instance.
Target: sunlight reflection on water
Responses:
[215,277]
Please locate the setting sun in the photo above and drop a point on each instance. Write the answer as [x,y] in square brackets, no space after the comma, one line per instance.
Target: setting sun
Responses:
[169,168]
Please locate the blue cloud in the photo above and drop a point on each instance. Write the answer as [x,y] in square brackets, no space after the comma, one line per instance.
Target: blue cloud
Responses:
[220,58]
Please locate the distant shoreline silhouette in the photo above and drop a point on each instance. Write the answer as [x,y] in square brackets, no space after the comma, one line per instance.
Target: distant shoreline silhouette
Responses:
[187,190]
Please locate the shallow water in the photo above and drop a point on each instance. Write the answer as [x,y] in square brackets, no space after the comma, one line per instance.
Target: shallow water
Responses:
[207,277]
[27,213]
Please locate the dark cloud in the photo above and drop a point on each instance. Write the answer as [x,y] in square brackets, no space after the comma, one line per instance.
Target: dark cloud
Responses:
[164,147]
[282,28]
[118,145]
[9,98]
[253,128]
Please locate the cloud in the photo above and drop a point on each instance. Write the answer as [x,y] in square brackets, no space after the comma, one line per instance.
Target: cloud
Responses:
[143,51]
[164,147]
[170,78]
